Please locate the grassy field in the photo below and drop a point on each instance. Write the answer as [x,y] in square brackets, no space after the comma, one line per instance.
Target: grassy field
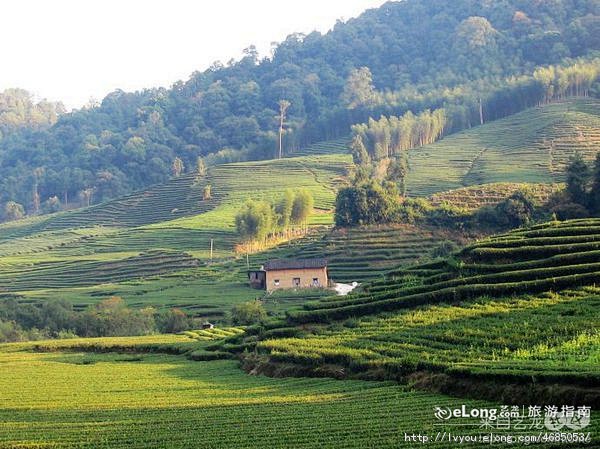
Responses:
[532,146]
[141,400]
[180,202]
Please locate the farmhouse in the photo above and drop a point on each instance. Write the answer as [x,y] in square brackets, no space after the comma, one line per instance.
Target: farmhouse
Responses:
[290,273]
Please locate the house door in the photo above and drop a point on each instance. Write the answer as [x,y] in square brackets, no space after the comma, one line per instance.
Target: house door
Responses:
[296,282]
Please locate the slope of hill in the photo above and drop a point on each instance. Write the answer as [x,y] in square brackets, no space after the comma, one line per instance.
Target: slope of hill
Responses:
[368,252]
[511,308]
[183,196]
[441,334]
[532,146]
[334,146]
[153,247]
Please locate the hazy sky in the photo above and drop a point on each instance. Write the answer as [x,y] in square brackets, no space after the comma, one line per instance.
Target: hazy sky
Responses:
[73,50]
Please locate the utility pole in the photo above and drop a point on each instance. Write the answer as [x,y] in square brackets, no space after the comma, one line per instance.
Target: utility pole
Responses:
[211,249]
[247,262]
[480,111]
[283,107]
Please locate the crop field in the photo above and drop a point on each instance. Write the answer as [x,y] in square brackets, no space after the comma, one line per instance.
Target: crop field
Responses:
[491,309]
[336,146]
[213,334]
[75,273]
[532,146]
[160,343]
[515,337]
[368,252]
[140,400]
[153,247]
[182,196]
[94,263]
[474,197]
[551,256]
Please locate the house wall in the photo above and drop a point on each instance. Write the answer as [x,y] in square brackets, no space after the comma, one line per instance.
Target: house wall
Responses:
[286,278]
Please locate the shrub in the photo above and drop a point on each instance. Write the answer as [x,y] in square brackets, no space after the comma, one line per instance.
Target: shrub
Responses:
[173,321]
[248,313]
[448,216]
[568,211]
[517,210]
[486,217]
[413,210]
[367,203]
[444,249]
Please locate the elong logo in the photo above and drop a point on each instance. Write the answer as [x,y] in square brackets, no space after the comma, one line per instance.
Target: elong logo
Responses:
[445,413]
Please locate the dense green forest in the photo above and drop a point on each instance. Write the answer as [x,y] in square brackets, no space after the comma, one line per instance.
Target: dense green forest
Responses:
[478,60]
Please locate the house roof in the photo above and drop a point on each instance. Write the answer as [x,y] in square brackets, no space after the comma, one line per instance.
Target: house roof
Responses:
[294,264]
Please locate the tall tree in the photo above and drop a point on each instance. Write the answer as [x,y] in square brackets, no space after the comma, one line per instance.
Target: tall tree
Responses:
[302,207]
[86,195]
[284,210]
[13,211]
[255,221]
[360,155]
[359,90]
[595,200]
[283,107]
[207,192]
[578,178]
[177,167]
[397,171]
[201,167]
[38,172]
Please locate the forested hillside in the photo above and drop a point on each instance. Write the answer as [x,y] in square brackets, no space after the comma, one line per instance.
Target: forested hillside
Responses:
[410,55]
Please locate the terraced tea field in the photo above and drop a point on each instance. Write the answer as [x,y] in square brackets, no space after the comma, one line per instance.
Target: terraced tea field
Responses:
[532,146]
[335,146]
[368,252]
[474,197]
[511,337]
[492,310]
[545,257]
[153,247]
[78,273]
[168,263]
[182,196]
[165,401]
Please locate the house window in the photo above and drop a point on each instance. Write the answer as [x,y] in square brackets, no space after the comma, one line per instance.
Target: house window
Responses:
[276,282]
[296,282]
[315,282]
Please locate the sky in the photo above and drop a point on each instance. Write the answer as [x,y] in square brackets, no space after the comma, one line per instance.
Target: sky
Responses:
[76,50]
